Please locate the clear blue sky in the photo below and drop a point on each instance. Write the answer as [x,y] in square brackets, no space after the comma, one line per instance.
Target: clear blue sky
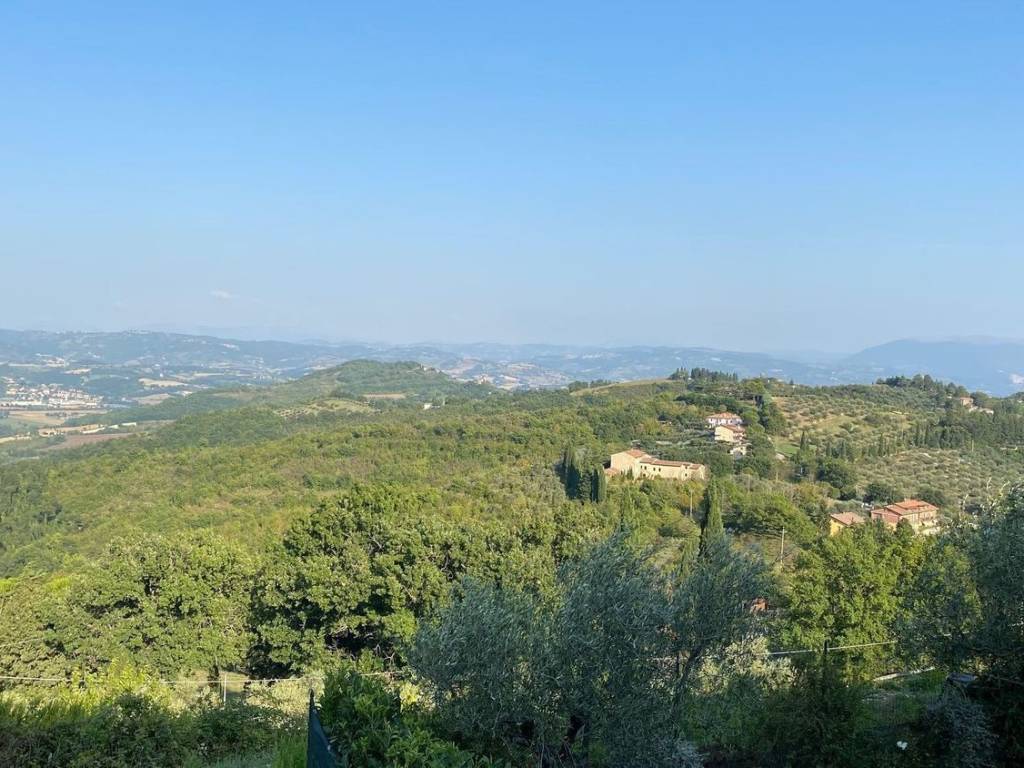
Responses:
[743,175]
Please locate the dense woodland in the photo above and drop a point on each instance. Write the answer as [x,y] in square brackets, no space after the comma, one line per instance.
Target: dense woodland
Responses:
[476,592]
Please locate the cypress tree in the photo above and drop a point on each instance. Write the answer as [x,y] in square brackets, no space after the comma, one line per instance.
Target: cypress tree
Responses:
[599,485]
[713,528]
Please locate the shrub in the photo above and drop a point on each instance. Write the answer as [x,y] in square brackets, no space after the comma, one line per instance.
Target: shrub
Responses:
[370,727]
[955,734]
[817,721]
[123,720]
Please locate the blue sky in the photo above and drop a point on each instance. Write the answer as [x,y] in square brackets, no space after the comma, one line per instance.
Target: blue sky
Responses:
[742,175]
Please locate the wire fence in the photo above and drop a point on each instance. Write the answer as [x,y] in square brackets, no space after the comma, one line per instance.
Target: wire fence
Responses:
[234,681]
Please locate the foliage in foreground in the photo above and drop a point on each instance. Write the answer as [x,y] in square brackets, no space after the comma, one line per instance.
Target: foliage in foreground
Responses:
[126,720]
[372,727]
[616,644]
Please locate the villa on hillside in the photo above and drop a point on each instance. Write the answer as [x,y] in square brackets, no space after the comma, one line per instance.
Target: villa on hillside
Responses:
[724,419]
[922,516]
[640,464]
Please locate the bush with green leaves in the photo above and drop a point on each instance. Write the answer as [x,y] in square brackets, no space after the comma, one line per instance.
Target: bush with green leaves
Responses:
[954,733]
[126,719]
[818,722]
[849,590]
[370,726]
[726,703]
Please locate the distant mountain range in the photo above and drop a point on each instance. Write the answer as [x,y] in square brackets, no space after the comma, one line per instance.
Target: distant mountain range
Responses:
[115,362]
[994,366]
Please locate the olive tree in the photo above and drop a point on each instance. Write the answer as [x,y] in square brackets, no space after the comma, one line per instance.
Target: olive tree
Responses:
[598,668]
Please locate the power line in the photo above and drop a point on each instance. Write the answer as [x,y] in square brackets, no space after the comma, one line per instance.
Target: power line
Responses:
[831,648]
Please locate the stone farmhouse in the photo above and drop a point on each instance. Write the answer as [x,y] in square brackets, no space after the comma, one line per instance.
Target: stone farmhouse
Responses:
[640,464]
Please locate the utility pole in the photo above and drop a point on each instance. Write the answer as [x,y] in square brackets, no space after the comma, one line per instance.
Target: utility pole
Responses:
[782,546]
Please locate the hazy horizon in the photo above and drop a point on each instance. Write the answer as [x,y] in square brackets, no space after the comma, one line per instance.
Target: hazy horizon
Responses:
[812,178]
[254,334]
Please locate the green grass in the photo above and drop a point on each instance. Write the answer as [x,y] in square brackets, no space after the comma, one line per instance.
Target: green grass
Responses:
[290,752]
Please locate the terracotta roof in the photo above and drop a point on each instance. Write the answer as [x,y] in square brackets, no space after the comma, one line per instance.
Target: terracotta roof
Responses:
[635,453]
[724,415]
[847,518]
[913,505]
[611,472]
[905,507]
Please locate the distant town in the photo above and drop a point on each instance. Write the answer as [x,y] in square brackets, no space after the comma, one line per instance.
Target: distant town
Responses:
[45,396]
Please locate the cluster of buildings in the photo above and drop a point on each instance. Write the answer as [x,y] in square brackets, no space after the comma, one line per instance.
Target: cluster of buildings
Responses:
[638,464]
[49,396]
[728,428]
[921,516]
[725,427]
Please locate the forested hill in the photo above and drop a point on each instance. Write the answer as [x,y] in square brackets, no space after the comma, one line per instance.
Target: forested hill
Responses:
[353,385]
[258,457]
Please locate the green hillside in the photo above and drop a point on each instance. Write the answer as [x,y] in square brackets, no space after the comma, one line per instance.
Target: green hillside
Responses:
[310,523]
[265,455]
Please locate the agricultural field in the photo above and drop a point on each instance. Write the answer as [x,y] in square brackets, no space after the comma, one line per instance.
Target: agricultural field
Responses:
[857,414]
[965,476]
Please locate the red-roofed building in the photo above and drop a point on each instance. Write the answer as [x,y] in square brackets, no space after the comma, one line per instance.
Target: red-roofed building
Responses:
[922,516]
[724,419]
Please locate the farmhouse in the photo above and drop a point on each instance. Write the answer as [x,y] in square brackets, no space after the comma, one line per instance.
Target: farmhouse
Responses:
[922,516]
[724,419]
[641,464]
[840,521]
[725,433]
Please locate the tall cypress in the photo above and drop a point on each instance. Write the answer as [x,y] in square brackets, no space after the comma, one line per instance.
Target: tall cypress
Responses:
[713,528]
[599,485]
